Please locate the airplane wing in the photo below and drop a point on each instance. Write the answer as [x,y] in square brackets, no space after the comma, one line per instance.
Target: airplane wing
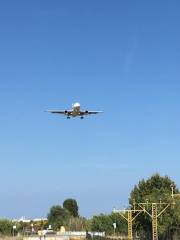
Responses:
[90,112]
[65,112]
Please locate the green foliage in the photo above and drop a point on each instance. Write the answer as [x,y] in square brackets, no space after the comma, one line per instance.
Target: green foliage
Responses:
[104,223]
[58,217]
[72,206]
[121,224]
[77,224]
[6,227]
[67,216]
[155,189]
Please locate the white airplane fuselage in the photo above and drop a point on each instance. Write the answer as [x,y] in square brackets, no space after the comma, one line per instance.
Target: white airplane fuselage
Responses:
[76,109]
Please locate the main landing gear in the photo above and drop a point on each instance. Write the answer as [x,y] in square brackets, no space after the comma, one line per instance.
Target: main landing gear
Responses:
[68,117]
[82,117]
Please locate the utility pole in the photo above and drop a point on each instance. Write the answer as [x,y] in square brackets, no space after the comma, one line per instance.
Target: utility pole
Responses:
[129,215]
[157,209]
[154,221]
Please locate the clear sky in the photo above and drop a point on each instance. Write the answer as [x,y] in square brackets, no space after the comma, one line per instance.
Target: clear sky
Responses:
[122,57]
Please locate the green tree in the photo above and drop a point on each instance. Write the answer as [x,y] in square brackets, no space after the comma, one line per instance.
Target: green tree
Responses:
[121,224]
[58,217]
[77,224]
[154,189]
[72,206]
[102,223]
[6,227]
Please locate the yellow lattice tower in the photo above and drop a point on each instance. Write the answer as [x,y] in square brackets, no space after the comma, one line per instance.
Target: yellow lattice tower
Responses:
[130,234]
[154,222]
[129,215]
[157,209]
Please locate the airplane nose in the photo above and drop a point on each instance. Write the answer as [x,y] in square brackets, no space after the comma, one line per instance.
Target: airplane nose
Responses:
[77,104]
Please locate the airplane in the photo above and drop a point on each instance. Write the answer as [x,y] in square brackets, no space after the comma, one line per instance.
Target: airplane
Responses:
[74,112]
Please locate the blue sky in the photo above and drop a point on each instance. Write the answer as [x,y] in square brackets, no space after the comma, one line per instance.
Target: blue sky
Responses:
[122,57]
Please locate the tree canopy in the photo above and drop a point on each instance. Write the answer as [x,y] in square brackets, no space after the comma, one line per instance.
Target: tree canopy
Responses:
[58,217]
[6,227]
[72,206]
[104,223]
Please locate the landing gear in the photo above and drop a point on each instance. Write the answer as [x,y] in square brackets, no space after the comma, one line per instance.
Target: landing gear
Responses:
[82,117]
[68,117]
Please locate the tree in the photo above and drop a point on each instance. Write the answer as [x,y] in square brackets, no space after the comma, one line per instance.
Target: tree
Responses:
[72,206]
[6,227]
[104,223]
[57,217]
[77,224]
[121,224]
[154,189]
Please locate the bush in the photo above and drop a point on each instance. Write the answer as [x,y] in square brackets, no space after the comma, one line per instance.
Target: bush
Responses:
[6,227]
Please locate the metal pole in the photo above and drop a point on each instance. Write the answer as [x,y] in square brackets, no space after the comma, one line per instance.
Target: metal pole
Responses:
[154,221]
[172,191]
[130,218]
[130,236]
